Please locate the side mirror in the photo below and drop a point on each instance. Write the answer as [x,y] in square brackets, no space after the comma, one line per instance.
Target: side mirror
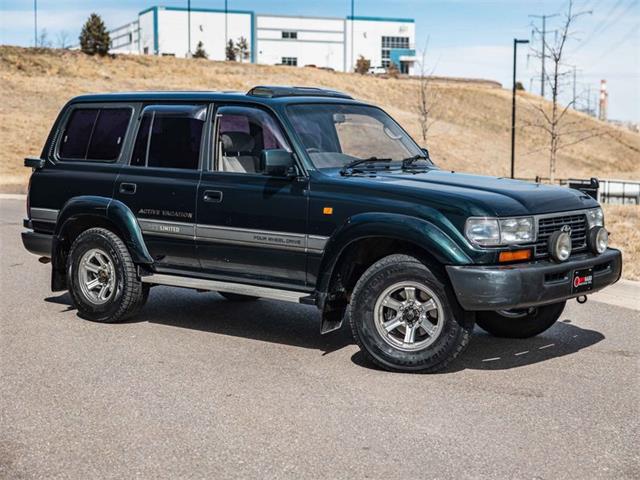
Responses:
[277,163]
[426,153]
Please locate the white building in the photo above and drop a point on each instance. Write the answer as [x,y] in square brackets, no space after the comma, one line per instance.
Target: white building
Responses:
[328,42]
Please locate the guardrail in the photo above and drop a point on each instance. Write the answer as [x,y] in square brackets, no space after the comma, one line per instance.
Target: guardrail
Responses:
[620,192]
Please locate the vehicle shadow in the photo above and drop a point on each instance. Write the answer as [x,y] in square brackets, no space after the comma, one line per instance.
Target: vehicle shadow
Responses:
[264,320]
[486,352]
[299,326]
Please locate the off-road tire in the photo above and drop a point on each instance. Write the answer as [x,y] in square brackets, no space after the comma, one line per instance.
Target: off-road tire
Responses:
[130,294]
[456,328]
[236,297]
[530,325]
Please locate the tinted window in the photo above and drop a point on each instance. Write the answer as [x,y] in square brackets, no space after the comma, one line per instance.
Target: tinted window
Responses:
[139,156]
[95,134]
[169,137]
[78,132]
[108,134]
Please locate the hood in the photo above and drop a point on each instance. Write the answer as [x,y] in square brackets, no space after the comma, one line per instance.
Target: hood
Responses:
[477,194]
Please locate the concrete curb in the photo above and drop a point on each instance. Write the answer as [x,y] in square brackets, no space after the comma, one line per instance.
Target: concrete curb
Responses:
[13,196]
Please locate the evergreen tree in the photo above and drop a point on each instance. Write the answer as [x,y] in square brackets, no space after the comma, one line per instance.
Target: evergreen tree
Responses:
[94,38]
[231,51]
[200,51]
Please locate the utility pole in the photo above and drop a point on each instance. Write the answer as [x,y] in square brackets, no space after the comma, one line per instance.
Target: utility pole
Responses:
[226,28]
[35,23]
[574,87]
[189,28]
[544,44]
[353,8]
[513,106]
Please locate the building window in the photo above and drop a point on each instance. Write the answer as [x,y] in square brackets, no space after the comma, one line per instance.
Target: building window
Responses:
[390,43]
[289,34]
[291,61]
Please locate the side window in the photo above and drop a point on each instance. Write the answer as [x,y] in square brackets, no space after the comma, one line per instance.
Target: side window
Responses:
[169,136]
[243,133]
[94,134]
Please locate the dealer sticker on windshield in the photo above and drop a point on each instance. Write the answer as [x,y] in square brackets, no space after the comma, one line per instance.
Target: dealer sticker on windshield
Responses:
[582,280]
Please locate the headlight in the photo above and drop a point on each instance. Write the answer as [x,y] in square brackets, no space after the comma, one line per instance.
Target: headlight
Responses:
[595,217]
[499,231]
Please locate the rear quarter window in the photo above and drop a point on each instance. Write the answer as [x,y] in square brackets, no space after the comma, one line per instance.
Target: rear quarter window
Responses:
[95,134]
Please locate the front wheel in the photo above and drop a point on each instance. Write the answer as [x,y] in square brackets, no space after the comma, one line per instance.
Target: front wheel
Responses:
[520,323]
[402,318]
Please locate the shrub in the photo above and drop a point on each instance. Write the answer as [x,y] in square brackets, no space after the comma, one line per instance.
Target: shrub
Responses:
[362,65]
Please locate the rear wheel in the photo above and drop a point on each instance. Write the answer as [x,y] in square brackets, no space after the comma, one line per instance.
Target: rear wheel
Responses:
[102,277]
[520,323]
[403,319]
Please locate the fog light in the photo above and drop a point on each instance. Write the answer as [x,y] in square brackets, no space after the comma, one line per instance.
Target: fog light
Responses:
[598,239]
[560,246]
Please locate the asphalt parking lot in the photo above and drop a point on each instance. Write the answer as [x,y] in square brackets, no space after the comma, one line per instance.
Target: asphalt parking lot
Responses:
[200,387]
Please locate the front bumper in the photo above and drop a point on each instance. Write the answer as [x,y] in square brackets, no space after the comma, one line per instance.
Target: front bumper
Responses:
[524,285]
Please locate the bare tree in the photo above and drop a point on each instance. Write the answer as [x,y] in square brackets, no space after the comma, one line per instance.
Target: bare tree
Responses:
[242,49]
[63,39]
[43,39]
[429,96]
[561,131]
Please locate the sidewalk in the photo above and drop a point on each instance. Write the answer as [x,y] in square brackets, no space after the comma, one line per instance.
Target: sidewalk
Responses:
[625,293]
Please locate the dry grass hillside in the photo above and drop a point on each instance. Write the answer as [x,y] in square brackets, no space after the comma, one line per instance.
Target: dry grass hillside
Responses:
[471,132]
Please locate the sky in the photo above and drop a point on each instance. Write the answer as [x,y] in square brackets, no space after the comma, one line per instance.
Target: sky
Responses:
[467,38]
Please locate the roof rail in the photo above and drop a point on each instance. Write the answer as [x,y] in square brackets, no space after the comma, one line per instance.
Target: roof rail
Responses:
[275,92]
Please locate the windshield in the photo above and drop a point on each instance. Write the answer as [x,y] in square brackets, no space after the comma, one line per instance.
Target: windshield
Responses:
[335,135]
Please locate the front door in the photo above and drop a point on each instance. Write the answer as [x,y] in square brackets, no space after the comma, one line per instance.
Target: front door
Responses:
[251,226]
[160,182]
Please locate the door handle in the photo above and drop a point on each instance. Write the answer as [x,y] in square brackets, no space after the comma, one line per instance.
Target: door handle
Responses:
[128,188]
[212,196]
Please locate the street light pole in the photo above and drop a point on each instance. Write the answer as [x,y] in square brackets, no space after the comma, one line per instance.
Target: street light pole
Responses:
[189,28]
[35,23]
[353,9]
[226,28]
[513,106]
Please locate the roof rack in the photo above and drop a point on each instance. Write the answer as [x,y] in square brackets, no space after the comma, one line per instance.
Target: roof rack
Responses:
[275,92]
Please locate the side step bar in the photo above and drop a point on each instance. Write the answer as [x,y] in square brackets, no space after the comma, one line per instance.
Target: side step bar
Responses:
[239,288]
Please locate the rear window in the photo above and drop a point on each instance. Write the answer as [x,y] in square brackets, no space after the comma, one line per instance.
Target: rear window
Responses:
[95,133]
[169,136]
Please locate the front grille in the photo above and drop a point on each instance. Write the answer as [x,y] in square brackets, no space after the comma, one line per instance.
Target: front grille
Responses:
[548,225]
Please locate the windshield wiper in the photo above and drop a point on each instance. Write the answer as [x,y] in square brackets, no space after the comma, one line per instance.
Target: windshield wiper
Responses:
[408,162]
[349,167]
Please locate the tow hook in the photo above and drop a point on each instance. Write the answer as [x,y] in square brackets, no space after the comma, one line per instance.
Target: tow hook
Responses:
[581,299]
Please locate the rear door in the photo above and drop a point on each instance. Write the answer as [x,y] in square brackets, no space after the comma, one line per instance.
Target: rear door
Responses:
[251,226]
[159,184]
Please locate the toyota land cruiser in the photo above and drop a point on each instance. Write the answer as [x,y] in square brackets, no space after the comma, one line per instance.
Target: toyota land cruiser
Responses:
[304,195]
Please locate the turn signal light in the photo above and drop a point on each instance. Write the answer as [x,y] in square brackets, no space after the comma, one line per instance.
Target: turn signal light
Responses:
[514,255]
